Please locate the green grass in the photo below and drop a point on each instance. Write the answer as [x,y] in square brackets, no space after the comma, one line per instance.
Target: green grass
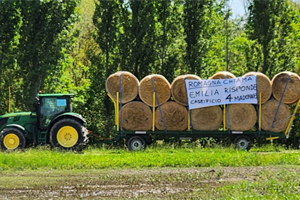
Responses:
[159,172]
[159,156]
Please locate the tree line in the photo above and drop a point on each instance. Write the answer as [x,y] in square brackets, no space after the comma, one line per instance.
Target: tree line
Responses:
[73,46]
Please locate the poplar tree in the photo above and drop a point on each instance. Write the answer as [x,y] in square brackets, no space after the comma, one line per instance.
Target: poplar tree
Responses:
[40,49]
[198,20]
[10,23]
[269,24]
[142,35]
[106,20]
[169,37]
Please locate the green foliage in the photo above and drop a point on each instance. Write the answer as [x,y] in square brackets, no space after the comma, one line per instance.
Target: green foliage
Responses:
[10,21]
[42,24]
[106,19]
[269,23]
[197,23]
[169,38]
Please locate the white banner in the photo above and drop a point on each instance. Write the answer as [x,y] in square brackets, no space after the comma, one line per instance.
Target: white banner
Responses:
[203,93]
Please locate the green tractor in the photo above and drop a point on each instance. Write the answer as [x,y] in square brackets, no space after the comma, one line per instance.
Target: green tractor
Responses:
[51,122]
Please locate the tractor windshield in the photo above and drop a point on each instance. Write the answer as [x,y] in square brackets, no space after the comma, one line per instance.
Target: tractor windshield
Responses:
[51,107]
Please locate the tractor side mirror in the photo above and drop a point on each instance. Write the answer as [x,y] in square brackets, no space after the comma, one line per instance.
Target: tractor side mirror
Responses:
[36,102]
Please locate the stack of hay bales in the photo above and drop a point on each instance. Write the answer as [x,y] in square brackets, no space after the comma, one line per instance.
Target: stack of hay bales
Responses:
[243,117]
[135,115]
[173,114]
[286,91]
[275,115]
[168,114]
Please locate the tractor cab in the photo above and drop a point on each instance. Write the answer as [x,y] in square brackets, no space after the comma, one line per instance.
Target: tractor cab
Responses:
[49,106]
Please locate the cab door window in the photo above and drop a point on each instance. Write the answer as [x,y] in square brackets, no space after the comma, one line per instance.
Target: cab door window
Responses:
[51,107]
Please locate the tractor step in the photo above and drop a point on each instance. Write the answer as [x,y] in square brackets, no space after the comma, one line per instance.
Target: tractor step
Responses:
[42,139]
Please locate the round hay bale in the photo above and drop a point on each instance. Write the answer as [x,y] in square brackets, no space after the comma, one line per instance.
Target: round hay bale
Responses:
[129,83]
[136,116]
[162,88]
[207,118]
[290,104]
[175,117]
[292,92]
[242,117]
[178,89]
[222,75]
[268,111]
[264,85]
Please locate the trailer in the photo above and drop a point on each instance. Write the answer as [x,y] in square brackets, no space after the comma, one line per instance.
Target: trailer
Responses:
[138,140]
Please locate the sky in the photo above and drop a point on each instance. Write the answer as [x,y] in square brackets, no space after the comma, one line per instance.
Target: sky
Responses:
[237,7]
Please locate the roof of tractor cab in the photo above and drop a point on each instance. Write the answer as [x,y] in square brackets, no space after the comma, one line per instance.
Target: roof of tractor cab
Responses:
[56,95]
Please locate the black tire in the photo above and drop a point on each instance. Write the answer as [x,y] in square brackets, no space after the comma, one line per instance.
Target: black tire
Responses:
[68,134]
[12,139]
[136,143]
[243,142]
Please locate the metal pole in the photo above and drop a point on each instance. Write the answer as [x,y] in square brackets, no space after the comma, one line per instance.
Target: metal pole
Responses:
[9,99]
[226,28]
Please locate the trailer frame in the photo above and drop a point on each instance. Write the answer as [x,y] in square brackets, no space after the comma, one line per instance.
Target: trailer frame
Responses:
[144,138]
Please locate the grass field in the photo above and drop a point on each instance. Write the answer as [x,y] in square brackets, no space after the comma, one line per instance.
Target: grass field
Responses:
[159,156]
[161,172]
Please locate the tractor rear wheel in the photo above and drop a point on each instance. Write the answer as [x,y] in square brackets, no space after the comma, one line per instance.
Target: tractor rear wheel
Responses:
[68,134]
[11,139]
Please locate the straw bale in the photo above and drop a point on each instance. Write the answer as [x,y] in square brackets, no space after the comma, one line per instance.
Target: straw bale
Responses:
[292,92]
[175,117]
[290,104]
[222,75]
[129,83]
[268,111]
[264,85]
[136,116]
[242,117]
[178,89]
[162,88]
[207,118]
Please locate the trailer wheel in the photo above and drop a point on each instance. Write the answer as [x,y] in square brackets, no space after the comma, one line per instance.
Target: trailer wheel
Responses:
[11,139]
[243,142]
[68,134]
[136,143]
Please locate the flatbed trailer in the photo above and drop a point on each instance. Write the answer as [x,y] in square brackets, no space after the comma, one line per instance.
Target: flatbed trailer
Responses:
[138,140]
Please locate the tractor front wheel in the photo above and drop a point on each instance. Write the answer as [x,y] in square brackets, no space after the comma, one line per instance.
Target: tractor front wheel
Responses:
[11,139]
[68,134]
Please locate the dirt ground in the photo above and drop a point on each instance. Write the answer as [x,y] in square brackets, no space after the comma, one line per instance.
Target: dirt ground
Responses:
[160,183]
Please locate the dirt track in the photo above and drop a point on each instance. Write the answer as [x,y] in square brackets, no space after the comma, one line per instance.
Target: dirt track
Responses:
[162,183]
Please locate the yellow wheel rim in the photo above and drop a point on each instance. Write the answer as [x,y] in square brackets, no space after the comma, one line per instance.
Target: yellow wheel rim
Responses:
[67,136]
[11,141]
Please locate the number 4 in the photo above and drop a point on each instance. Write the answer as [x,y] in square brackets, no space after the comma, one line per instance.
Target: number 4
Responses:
[229,97]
